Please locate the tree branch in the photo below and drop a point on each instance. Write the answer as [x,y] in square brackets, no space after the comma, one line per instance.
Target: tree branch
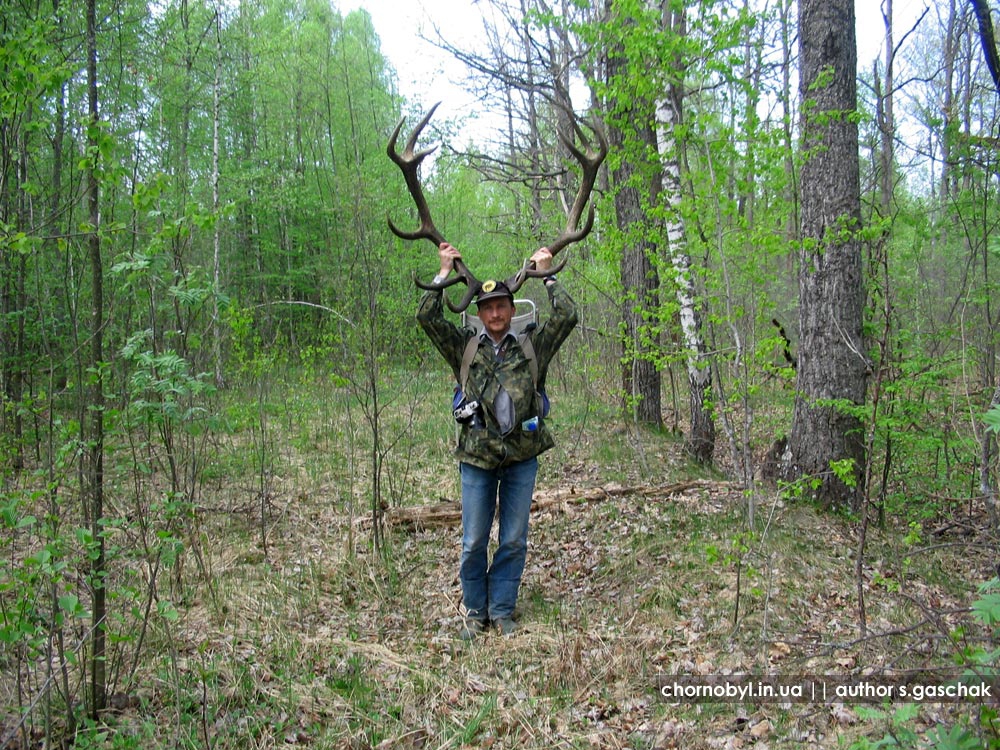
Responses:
[988,40]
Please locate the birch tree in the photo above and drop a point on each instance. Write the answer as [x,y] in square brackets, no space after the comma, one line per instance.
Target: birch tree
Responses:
[700,441]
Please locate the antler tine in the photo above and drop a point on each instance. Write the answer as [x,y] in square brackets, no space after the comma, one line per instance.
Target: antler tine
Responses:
[471,291]
[409,163]
[528,270]
[464,275]
[590,162]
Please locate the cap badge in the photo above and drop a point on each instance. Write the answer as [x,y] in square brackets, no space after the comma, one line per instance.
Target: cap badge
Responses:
[489,286]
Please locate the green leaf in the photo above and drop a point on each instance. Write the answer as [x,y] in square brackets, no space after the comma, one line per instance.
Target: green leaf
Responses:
[70,604]
[167,611]
[987,609]
[992,419]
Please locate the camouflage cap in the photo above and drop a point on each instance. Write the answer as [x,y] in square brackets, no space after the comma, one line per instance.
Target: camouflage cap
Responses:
[491,290]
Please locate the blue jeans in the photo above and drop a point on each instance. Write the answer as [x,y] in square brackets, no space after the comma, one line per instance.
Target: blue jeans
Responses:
[490,590]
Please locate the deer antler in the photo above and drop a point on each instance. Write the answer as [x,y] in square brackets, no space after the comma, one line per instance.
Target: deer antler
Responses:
[590,162]
[409,164]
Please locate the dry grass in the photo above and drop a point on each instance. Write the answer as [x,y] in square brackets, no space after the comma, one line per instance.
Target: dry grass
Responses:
[336,650]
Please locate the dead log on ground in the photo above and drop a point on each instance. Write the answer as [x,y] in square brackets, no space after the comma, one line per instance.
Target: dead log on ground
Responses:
[449,512]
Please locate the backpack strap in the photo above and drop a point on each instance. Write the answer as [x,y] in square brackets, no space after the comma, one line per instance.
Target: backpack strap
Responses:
[471,347]
[524,339]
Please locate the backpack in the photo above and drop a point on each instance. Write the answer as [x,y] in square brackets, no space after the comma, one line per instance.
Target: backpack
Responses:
[522,326]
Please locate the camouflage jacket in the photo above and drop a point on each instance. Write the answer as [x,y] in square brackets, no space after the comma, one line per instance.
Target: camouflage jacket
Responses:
[482,444]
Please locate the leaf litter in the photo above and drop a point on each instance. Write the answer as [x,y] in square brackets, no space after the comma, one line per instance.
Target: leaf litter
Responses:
[317,646]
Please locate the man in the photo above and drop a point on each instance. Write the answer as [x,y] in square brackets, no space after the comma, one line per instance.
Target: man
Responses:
[499,442]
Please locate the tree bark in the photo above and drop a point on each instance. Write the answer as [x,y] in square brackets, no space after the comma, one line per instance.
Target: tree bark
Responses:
[216,207]
[636,182]
[95,473]
[885,117]
[826,442]
[951,45]
[988,39]
[700,442]
[640,340]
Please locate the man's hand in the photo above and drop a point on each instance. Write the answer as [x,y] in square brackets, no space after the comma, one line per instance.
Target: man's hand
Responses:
[448,256]
[542,259]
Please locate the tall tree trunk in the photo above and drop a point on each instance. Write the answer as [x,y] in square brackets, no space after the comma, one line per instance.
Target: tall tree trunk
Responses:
[879,279]
[948,105]
[787,64]
[885,117]
[534,146]
[826,443]
[987,40]
[216,206]
[640,286]
[13,165]
[95,473]
[631,134]
[700,441]
[15,383]
[988,438]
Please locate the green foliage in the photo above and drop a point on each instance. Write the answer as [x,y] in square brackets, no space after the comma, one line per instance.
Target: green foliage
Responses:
[992,419]
[162,390]
[971,730]
[227,313]
[986,609]
[899,732]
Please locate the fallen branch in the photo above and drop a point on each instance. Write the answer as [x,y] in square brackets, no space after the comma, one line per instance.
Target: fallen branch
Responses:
[449,512]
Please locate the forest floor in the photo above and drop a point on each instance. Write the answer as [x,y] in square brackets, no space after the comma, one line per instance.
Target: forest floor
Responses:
[315,640]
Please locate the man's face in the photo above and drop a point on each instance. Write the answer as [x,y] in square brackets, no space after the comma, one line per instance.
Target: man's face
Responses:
[496,315]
